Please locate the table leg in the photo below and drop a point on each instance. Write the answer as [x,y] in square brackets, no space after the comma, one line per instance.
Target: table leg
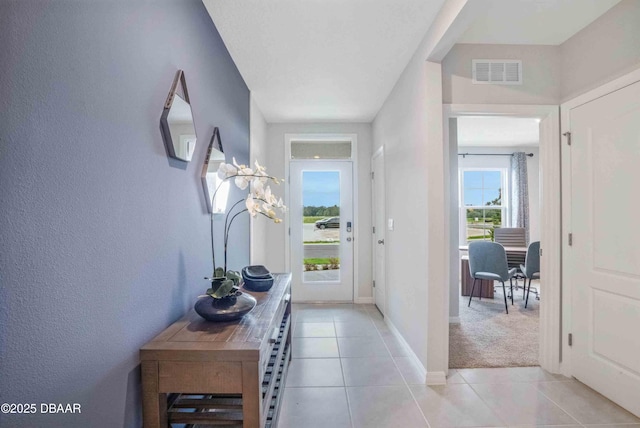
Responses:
[251,395]
[154,404]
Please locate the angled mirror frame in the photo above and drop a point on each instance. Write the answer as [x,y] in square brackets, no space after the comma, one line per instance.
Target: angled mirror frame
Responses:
[210,179]
[176,122]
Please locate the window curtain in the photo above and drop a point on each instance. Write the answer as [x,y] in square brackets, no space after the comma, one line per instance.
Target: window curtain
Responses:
[520,192]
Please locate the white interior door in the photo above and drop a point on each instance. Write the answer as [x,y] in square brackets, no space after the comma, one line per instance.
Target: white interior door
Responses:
[604,258]
[378,201]
[321,245]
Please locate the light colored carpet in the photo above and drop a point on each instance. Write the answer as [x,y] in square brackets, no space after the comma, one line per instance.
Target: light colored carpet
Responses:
[488,337]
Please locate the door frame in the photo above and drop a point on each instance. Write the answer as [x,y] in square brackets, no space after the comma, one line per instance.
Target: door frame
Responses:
[550,208]
[377,153]
[324,137]
[565,108]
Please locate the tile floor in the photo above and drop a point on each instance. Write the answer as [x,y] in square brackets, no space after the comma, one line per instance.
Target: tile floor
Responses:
[348,370]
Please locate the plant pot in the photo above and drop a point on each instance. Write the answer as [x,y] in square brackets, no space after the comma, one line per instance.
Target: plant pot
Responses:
[226,309]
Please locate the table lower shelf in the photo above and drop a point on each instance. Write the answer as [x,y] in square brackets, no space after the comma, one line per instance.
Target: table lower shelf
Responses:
[225,410]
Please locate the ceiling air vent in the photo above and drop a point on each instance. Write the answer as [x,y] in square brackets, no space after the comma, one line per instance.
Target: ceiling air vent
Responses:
[497,71]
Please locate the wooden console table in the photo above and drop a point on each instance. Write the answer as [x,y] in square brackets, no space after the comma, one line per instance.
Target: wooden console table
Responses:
[225,374]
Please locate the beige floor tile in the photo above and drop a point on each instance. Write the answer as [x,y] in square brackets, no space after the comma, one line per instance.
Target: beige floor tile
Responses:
[455,405]
[500,375]
[346,315]
[384,407]
[315,329]
[379,371]
[382,327]
[411,373]
[309,372]
[353,347]
[312,347]
[536,374]
[396,348]
[375,314]
[546,426]
[312,316]
[454,377]
[584,404]
[355,329]
[520,403]
[314,408]
[613,426]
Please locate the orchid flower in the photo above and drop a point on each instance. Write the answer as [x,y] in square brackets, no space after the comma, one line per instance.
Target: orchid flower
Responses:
[258,188]
[259,200]
[252,206]
[226,170]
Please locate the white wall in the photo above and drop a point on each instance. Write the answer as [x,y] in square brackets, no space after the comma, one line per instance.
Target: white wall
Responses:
[533,171]
[604,50]
[258,151]
[275,257]
[409,125]
[540,75]
[454,229]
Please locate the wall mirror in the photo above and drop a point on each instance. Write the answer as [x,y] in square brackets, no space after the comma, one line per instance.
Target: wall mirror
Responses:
[178,128]
[210,179]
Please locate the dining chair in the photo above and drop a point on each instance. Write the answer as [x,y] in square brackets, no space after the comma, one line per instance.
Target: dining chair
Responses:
[531,267]
[513,237]
[488,260]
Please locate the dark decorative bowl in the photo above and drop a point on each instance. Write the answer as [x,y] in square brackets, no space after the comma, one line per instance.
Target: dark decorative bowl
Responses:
[226,309]
[258,284]
[256,272]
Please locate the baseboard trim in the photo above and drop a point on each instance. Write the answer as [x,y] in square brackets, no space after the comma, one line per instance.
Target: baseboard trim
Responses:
[436,378]
[454,320]
[412,355]
[363,300]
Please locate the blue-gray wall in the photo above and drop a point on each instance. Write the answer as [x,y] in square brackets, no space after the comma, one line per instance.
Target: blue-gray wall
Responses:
[104,242]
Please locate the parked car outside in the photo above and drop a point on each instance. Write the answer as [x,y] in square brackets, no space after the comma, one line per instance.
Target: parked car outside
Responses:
[328,222]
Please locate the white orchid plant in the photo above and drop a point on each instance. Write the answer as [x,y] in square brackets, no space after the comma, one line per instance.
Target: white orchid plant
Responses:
[259,201]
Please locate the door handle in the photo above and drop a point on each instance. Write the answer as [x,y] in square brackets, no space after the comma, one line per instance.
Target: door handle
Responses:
[381,241]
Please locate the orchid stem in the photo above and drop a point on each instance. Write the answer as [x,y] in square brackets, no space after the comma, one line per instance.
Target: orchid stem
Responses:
[226,235]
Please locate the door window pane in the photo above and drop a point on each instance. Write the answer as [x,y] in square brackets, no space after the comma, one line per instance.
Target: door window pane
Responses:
[321,225]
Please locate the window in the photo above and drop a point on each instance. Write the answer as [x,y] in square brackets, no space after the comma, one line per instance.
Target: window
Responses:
[483,205]
[321,149]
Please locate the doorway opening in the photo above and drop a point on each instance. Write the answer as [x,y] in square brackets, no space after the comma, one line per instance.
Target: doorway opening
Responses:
[492,187]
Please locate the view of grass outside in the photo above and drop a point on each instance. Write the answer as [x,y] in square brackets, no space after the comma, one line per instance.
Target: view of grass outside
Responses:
[482,222]
[311,219]
[315,240]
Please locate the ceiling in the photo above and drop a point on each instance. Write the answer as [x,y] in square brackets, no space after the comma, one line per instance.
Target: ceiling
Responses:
[519,22]
[321,60]
[493,131]
[338,60]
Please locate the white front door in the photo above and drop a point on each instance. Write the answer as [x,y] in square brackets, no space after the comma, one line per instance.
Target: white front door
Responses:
[604,258]
[322,225]
[378,200]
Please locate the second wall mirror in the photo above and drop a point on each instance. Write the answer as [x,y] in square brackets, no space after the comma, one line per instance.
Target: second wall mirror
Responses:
[178,127]
[216,202]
